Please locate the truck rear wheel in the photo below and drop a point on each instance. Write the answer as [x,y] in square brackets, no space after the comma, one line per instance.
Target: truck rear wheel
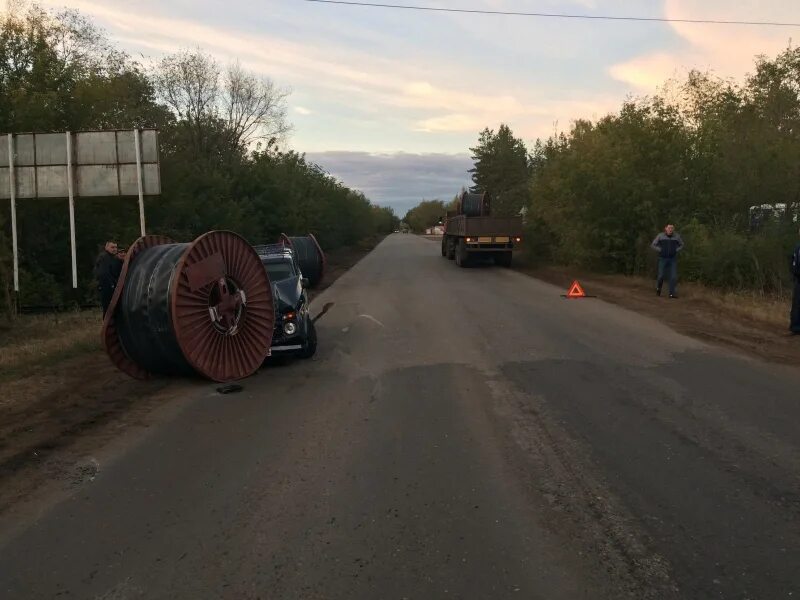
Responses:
[462,256]
[451,247]
[503,259]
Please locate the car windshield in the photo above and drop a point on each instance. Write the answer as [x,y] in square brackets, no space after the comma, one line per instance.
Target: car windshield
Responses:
[279,271]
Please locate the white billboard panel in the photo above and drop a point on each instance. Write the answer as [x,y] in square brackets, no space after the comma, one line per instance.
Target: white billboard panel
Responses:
[128,184]
[101,163]
[51,182]
[97,180]
[96,148]
[50,148]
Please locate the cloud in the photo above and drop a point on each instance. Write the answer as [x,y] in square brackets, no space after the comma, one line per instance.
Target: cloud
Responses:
[405,96]
[727,50]
[400,180]
[422,94]
[646,73]
[365,78]
[452,122]
[302,110]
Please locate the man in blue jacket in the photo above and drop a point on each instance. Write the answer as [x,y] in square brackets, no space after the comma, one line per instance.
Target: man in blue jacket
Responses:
[794,317]
[668,243]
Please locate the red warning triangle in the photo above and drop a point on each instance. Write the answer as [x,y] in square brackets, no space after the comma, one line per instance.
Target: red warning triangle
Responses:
[576,291]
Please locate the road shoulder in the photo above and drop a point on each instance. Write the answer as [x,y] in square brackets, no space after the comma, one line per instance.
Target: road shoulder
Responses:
[752,328]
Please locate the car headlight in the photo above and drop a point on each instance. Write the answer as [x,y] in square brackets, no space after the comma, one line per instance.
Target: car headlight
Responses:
[289,328]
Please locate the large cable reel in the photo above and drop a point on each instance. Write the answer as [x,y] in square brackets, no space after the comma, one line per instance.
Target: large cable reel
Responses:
[202,307]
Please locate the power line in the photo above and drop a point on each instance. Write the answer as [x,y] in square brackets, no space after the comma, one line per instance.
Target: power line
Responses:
[555,15]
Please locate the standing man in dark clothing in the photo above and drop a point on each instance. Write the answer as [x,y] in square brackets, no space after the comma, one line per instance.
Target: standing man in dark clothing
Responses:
[668,243]
[106,270]
[794,317]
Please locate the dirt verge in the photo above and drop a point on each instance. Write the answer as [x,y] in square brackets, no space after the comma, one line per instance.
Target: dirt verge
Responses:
[77,405]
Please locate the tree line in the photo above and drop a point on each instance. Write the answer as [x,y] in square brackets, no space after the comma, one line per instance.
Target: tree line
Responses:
[224,161]
[719,159]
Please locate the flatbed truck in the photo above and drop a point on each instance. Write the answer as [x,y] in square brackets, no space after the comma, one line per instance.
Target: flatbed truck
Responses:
[471,232]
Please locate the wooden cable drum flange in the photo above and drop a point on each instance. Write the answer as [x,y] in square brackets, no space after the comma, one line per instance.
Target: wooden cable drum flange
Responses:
[309,256]
[204,307]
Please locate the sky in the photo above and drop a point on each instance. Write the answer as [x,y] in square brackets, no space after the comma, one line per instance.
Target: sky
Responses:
[390,101]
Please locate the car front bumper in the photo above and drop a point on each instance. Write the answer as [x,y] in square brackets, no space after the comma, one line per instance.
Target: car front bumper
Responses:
[284,348]
[282,343]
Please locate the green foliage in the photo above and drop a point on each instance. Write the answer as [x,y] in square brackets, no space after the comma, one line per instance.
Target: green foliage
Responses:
[59,72]
[728,258]
[501,169]
[384,219]
[37,288]
[425,214]
[600,193]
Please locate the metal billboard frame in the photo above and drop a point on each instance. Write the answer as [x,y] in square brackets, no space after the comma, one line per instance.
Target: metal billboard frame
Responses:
[94,160]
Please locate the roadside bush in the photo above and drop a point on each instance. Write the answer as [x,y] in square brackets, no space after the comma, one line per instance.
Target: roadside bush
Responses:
[701,156]
[38,288]
[733,260]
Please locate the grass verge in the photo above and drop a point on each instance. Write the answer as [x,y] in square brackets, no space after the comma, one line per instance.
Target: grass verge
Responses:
[32,342]
[772,310]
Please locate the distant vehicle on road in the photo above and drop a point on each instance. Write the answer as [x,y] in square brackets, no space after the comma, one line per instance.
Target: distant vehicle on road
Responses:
[762,214]
[294,332]
[471,232]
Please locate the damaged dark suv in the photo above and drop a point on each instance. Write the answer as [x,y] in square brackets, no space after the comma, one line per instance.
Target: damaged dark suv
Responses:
[294,334]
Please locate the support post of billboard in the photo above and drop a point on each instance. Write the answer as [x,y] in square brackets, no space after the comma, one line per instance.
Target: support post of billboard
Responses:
[70,191]
[139,182]
[12,194]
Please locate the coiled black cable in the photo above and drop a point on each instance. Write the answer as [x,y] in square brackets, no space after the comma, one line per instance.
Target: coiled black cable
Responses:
[143,315]
[309,257]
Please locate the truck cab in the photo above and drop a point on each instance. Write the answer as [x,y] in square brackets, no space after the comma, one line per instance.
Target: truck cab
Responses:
[294,333]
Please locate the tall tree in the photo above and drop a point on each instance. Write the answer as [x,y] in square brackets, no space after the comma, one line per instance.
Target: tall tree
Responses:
[501,169]
[217,105]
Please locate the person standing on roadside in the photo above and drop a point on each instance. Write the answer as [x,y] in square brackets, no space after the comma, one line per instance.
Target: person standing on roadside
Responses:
[668,244]
[794,316]
[107,268]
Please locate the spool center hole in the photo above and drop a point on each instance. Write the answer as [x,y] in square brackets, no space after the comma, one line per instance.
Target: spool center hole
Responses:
[226,305]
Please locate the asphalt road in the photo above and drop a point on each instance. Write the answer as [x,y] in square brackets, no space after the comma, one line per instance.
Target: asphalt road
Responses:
[462,433]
